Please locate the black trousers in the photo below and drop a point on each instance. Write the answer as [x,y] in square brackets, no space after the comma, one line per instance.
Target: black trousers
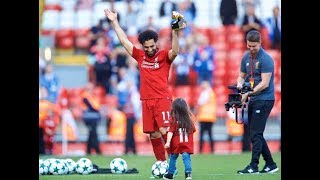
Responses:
[246,141]
[41,141]
[258,113]
[206,127]
[93,142]
[130,144]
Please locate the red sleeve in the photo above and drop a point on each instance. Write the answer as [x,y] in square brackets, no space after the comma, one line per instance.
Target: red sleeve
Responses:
[135,53]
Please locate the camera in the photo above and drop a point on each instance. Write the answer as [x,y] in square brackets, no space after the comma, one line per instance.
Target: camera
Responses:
[234,99]
[245,88]
[178,21]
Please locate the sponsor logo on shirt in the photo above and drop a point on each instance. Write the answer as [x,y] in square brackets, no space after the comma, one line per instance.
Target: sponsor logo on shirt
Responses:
[150,65]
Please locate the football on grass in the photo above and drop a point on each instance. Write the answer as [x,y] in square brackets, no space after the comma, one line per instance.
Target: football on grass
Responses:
[159,168]
[118,166]
[84,166]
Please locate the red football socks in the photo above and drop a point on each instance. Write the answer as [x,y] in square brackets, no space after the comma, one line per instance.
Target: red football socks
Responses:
[158,149]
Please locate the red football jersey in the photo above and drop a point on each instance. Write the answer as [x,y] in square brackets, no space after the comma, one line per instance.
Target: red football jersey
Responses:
[154,74]
[181,141]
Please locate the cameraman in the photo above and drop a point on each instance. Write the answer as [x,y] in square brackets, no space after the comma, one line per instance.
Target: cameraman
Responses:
[259,66]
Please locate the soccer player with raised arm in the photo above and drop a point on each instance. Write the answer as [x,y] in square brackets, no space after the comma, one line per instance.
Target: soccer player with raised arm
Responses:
[154,66]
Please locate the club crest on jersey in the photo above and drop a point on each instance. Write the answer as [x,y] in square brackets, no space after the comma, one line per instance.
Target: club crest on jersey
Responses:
[156,65]
[257,65]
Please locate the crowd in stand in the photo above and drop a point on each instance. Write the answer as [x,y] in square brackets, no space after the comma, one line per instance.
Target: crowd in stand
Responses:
[206,58]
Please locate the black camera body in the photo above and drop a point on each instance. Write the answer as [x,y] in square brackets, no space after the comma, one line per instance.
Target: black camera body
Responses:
[245,88]
[234,99]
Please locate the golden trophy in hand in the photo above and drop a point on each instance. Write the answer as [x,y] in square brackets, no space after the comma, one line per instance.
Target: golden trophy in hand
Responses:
[178,22]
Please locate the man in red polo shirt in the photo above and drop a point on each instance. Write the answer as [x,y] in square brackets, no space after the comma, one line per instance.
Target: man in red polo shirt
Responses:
[154,66]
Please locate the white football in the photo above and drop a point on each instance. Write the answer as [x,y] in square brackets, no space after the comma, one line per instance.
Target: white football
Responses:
[66,169]
[159,168]
[57,167]
[43,167]
[84,166]
[71,164]
[118,166]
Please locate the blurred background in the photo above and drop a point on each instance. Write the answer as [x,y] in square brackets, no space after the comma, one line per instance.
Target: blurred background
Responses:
[81,57]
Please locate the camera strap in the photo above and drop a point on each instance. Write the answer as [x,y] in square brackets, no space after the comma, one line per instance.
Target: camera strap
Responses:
[242,114]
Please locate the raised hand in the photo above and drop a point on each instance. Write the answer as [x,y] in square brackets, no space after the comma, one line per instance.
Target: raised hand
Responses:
[183,25]
[178,21]
[111,15]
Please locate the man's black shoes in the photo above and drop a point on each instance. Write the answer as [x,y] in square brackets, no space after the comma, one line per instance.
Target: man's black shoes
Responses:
[249,170]
[269,168]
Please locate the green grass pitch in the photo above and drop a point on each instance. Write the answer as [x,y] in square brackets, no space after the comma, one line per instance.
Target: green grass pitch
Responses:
[218,167]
